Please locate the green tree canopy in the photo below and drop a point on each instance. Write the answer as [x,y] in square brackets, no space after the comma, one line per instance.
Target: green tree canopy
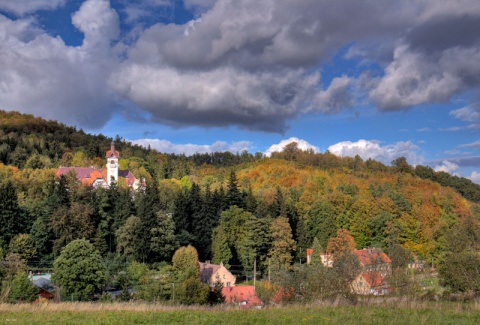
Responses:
[79,270]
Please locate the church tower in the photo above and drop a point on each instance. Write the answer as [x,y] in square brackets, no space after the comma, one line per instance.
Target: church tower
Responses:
[112,164]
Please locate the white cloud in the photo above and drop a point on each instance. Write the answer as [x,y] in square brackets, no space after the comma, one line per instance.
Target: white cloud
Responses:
[43,76]
[469,113]
[190,149]
[22,7]
[302,144]
[475,177]
[447,166]
[372,149]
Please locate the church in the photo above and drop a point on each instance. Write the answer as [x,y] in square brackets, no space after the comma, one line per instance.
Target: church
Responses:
[103,177]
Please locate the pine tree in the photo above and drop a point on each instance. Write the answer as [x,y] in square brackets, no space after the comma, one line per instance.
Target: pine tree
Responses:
[233,195]
[317,251]
[10,213]
[148,204]
[220,247]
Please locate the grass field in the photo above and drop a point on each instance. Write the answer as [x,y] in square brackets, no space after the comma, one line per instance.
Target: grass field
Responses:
[90,313]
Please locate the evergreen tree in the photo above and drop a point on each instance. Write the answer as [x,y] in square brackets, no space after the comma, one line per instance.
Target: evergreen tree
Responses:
[10,213]
[317,251]
[181,217]
[207,221]
[220,247]
[233,195]
[283,244]
[148,204]
[163,241]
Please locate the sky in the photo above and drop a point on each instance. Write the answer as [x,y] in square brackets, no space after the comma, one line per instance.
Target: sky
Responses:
[381,79]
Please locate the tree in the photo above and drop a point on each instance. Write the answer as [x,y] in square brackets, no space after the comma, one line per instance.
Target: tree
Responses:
[11,217]
[322,222]
[220,248]
[185,262]
[128,237]
[282,243]
[233,195]
[317,251]
[22,289]
[22,245]
[342,244]
[79,270]
[163,241]
[189,289]
[460,269]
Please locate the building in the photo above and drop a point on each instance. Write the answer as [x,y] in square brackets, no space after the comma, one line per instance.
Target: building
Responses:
[103,177]
[244,296]
[375,265]
[327,259]
[367,283]
[374,260]
[212,273]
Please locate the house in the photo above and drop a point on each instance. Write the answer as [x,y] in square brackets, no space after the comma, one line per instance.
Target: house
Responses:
[244,296]
[369,283]
[212,273]
[374,259]
[327,259]
[45,285]
[103,177]
[375,267]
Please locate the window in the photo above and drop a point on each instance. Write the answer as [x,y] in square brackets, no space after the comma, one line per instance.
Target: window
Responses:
[224,276]
[228,284]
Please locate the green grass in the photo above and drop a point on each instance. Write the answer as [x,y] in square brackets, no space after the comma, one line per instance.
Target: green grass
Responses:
[444,313]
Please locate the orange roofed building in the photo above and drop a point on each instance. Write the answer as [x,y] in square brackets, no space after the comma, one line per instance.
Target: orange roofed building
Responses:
[103,177]
[244,296]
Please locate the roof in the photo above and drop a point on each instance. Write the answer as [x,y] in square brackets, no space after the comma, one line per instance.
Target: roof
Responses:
[112,152]
[369,256]
[88,175]
[207,270]
[374,278]
[240,294]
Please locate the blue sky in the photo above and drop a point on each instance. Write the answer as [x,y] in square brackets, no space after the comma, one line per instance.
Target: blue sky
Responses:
[378,79]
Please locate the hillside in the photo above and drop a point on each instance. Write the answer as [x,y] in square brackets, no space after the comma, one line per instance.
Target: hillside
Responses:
[318,193]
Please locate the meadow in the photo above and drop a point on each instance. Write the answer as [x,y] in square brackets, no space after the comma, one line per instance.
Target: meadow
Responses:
[140,313]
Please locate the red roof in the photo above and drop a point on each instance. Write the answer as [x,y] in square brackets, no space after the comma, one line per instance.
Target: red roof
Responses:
[374,278]
[112,152]
[241,294]
[90,175]
[369,256]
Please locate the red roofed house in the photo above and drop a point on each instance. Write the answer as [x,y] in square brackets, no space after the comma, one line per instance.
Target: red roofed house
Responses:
[374,259]
[212,273]
[369,283]
[102,177]
[241,295]
[375,264]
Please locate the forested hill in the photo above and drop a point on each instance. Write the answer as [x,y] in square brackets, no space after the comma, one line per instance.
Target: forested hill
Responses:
[33,142]
[28,141]
[226,205]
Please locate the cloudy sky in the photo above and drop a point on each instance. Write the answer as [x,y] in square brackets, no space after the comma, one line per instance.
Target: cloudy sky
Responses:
[380,79]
